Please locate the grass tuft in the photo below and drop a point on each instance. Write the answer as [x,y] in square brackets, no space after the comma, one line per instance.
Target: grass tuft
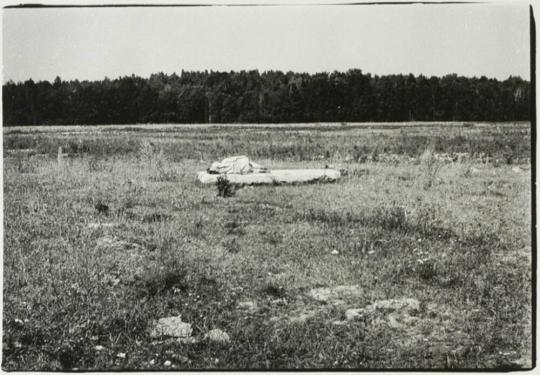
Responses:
[431,167]
[224,187]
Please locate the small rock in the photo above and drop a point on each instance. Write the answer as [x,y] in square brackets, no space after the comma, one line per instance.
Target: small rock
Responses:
[167,363]
[99,347]
[171,326]
[218,336]
[153,361]
[121,355]
[334,252]
[353,314]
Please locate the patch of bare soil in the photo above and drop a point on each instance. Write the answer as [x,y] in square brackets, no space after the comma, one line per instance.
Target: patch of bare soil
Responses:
[337,295]
[410,322]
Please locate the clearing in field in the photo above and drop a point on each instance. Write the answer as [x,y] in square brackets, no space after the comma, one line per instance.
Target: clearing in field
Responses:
[419,256]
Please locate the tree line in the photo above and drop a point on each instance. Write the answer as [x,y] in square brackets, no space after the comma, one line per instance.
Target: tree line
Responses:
[268,97]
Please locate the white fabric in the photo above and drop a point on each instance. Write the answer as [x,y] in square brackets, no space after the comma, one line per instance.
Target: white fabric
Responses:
[236,165]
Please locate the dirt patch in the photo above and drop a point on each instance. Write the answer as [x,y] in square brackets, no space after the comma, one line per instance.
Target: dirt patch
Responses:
[414,325]
[337,295]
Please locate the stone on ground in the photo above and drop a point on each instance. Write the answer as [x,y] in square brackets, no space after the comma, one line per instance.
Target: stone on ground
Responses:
[172,326]
[282,176]
[336,294]
[218,336]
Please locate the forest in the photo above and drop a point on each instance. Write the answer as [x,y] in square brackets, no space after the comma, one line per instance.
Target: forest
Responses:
[267,97]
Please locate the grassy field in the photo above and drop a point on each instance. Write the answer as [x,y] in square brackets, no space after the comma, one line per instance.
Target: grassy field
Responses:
[429,233]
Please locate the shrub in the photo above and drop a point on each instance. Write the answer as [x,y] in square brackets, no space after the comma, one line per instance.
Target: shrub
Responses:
[430,167]
[158,161]
[225,188]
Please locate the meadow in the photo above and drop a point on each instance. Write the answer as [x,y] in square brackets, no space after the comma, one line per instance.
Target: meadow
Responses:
[419,257]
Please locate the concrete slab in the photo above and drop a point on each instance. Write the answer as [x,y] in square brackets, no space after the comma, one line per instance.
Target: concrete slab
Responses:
[279,176]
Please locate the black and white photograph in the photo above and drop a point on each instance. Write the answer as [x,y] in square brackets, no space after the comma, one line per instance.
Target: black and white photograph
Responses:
[268,185]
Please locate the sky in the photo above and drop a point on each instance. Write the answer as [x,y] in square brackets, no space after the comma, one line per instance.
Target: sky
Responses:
[94,43]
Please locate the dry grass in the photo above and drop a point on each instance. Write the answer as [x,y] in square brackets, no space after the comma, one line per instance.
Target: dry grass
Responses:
[461,247]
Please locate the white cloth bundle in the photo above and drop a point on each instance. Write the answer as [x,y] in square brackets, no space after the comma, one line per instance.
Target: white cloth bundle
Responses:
[236,165]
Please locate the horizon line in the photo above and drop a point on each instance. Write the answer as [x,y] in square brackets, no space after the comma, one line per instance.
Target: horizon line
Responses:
[260,72]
